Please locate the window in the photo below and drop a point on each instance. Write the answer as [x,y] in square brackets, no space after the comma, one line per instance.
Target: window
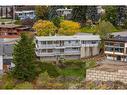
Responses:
[43,50]
[109,49]
[56,42]
[69,42]
[83,42]
[37,41]
[76,41]
[50,50]
[43,42]
[49,42]
[61,50]
[121,50]
[75,48]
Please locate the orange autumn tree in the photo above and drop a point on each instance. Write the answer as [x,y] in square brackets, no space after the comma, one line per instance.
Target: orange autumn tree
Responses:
[69,27]
[44,28]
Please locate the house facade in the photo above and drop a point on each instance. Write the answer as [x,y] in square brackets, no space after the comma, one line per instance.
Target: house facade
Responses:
[53,48]
[6,51]
[116,48]
[10,30]
[20,11]
[66,13]
[25,14]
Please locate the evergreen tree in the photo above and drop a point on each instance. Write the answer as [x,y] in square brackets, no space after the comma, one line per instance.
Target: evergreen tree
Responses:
[79,13]
[52,11]
[41,12]
[92,13]
[111,14]
[23,58]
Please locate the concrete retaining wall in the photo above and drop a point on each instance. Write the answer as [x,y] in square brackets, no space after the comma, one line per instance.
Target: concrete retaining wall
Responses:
[94,75]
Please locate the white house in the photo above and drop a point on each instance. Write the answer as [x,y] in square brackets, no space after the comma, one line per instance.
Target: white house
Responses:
[53,48]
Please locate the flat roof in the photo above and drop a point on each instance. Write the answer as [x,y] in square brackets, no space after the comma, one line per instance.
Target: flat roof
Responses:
[9,26]
[75,37]
[9,36]
[25,11]
[122,33]
[118,38]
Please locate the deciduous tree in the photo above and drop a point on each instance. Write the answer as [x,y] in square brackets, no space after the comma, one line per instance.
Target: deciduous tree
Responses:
[69,27]
[44,28]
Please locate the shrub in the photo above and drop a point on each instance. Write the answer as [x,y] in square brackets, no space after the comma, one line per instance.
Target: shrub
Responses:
[8,82]
[25,85]
[76,63]
[90,63]
[50,68]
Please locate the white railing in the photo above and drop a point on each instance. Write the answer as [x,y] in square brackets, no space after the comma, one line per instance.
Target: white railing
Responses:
[44,54]
[56,45]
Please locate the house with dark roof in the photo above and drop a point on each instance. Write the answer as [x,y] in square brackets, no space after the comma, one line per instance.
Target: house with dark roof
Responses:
[116,48]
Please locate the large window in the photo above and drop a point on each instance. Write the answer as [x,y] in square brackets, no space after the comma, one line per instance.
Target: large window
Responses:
[121,50]
[109,49]
[43,42]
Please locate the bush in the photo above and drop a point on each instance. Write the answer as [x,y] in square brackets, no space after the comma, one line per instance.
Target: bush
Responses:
[74,68]
[77,63]
[25,85]
[90,63]
[8,82]
[50,68]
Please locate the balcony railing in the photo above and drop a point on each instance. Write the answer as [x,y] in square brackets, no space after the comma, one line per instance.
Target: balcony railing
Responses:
[57,45]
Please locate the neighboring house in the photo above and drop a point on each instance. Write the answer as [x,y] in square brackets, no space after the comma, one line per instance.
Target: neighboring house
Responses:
[66,13]
[10,12]
[6,50]
[53,48]
[11,30]
[25,14]
[116,48]
[6,12]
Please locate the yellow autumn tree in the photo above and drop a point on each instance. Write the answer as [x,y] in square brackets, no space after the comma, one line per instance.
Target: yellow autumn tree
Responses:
[69,27]
[44,28]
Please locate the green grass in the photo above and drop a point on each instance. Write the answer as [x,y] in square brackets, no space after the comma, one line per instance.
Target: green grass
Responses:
[88,29]
[72,71]
[92,29]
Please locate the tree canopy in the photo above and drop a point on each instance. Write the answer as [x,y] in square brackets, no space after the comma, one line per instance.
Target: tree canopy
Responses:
[44,28]
[23,58]
[69,27]
[41,12]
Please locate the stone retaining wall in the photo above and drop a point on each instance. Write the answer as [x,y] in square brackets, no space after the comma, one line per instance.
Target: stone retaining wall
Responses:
[94,75]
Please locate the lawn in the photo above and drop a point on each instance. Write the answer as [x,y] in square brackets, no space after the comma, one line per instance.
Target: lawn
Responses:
[92,29]
[69,71]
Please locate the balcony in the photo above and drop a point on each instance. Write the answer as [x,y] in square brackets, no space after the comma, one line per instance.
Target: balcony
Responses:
[72,52]
[44,54]
[89,45]
[45,46]
[57,46]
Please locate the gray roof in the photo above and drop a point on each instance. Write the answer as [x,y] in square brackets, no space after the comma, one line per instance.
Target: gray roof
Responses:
[75,37]
[6,46]
[122,33]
